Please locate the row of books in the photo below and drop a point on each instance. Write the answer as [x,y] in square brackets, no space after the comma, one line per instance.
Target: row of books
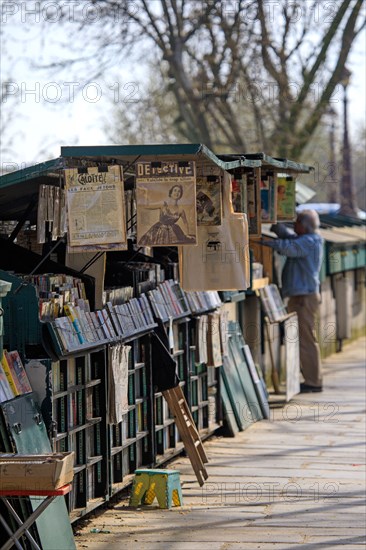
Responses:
[53,308]
[49,282]
[117,296]
[13,378]
[49,285]
[79,328]
[272,303]
[53,291]
[168,300]
[202,300]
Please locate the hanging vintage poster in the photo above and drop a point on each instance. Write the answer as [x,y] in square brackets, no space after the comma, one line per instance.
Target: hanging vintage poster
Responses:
[95,206]
[166,203]
[268,197]
[239,193]
[253,202]
[208,200]
[286,198]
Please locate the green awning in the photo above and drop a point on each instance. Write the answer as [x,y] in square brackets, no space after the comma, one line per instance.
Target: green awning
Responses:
[267,161]
[130,153]
[19,189]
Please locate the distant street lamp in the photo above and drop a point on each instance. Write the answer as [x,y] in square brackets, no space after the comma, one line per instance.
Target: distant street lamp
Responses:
[347,194]
[333,169]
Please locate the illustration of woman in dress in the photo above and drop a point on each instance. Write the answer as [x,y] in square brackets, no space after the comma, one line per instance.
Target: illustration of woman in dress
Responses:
[204,206]
[167,231]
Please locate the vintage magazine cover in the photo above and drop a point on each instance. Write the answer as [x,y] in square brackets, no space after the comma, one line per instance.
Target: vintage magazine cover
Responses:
[166,203]
[268,197]
[239,194]
[208,200]
[253,202]
[95,204]
[286,198]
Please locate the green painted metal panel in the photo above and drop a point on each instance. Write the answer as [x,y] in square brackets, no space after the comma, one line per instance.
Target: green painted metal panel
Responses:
[177,150]
[30,172]
[238,382]
[323,269]
[285,164]
[229,416]
[361,257]
[29,435]
[349,259]
[333,259]
[345,257]
[21,320]
[254,409]
[131,150]
[234,389]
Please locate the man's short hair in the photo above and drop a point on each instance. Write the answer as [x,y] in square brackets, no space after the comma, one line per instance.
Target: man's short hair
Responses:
[309,219]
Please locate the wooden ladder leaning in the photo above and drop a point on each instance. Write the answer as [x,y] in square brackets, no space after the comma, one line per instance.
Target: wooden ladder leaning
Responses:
[188,432]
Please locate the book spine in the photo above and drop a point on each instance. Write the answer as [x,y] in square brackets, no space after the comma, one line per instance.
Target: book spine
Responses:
[128,319]
[133,321]
[69,332]
[178,296]
[3,396]
[113,318]
[14,372]
[172,299]
[69,311]
[9,375]
[121,319]
[160,305]
[103,324]
[95,320]
[271,303]
[148,309]
[141,304]
[85,326]
[7,392]
[153,302]
[59,335]
[56,376]
[108,323]
[169,306]
[91,326]
[27,388]
[134,304]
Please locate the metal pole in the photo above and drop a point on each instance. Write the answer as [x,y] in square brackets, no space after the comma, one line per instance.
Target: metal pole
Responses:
[347,195]
[333,171]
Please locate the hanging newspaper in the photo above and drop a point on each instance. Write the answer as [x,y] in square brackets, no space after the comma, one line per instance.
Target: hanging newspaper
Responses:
[208,200]
[166,203]
[268,197]
[253,202]
[286,198]
[95,206]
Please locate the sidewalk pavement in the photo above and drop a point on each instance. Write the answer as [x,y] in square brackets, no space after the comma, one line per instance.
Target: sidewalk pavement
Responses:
[295,480]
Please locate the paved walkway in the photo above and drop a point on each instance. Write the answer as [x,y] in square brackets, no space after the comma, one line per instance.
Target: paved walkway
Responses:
[296,480]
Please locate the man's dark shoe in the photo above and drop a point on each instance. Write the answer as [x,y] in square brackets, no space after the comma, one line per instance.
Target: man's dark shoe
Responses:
[305,388]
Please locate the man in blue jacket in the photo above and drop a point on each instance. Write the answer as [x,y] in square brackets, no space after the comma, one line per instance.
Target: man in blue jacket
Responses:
[300,283]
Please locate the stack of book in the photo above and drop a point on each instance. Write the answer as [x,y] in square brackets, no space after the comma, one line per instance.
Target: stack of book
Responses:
[53,291]
[81,328]
[119,295]
[272,303]
[202,300]
[168,300]
[13,378]
[133,316]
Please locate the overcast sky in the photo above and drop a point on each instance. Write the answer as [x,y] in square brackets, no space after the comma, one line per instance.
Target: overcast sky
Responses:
[62,110]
